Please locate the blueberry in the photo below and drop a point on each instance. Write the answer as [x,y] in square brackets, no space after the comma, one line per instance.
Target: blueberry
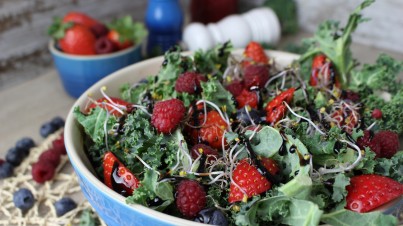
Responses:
[47,129]
[25,143]
[15,156]
[6,169]
[23,199]
[57,122]
[64,205]
[212,216]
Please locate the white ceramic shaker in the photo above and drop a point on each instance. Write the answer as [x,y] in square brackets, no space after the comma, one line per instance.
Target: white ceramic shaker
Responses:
[260,25]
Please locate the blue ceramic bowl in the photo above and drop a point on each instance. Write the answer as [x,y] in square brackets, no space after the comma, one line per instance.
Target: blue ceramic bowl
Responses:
[78,73]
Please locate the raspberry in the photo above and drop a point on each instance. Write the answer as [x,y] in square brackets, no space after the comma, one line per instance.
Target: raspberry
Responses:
[247,98]
[51,156]
[198,149]
[350,95]
[103,45]
[388,142]
[235,87]
[189,82]
[167,115]
[42,172]
[376,113]
[190,198]
[58,145]
[368,141]
[256,75]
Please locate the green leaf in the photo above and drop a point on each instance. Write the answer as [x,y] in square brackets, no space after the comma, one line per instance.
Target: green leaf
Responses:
[213,62]
[128,30]
[304,213]
[300,186]
[94,123]
[345,217]
[58,28]
[89,218]
[266,142]
[214,91]
[339,187]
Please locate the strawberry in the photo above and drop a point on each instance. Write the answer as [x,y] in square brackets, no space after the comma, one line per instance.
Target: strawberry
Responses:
[247,98]
[112,107]
[254,53]
[369,191]
[79,40]
[323,73]
[235,87]
[119,40]
[388,143]
[124,32]
[275,109]
[271,165]
[249,179]
[189,82]
[117,176]
[167,115]
[80,18]
[212,130]
[256,75]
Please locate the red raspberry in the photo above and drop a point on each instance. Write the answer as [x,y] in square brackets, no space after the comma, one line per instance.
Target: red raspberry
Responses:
[42,172]
[235,87]
[256,75]
[190,198]
[388,142]
[204,149]
[368,141]
[376,113]
[51,156]
[167,115]
[249,98]
[58,145]
[189,82]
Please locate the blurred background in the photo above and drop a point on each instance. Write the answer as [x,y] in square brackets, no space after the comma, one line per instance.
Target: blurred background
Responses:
[23,24]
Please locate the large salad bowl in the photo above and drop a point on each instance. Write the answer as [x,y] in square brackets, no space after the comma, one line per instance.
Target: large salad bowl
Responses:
[109,205]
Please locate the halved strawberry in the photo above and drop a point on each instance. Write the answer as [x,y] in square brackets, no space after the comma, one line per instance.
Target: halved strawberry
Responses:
[323,72]
[212,130]
[117,176]
[247,98]
[369,191]
[80,18]
[106,104]
[249,179]
[254,54]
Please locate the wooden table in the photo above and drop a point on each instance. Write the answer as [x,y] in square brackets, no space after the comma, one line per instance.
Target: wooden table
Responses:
[25,107]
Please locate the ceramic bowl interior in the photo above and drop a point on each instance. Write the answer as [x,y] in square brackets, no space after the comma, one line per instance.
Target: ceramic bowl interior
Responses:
[78,73]
[110,205]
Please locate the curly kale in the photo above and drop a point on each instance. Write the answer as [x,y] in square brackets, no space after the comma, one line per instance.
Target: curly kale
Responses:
[392,114]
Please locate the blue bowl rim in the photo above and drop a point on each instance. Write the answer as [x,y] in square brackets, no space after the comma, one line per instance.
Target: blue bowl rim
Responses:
[55,51]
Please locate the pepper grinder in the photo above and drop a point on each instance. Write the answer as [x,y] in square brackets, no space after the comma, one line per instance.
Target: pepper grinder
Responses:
[260,25]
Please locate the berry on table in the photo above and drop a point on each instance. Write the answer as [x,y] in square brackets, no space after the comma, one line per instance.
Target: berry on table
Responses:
[23,199]
[42,172]
[58,122]
[64,205]
[50,156]
[15,156]
[47,129]
[58,145]
[190,198]
[6,169]
[25,143]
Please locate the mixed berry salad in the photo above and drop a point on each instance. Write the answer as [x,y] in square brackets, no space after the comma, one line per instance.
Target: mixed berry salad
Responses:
[230,139]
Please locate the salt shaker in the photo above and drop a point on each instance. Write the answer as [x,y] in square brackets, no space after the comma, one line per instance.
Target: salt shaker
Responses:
[260,25]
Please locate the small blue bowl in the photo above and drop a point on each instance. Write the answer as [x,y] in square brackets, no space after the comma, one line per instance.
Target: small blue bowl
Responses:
[78,73]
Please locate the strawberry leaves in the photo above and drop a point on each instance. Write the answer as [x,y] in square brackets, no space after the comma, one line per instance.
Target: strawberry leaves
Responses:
[128,30]
[58,28]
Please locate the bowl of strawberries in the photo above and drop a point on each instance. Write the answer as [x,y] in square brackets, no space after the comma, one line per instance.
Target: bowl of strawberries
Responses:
[85,50]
